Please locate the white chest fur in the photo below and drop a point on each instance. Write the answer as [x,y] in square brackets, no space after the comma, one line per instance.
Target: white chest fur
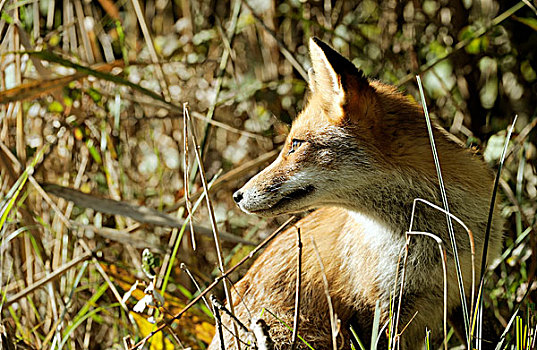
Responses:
[370,250]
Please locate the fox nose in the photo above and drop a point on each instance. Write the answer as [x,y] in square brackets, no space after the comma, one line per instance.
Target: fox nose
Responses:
[237,196]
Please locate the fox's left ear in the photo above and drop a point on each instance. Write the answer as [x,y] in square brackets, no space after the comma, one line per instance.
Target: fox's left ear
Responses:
[332,73]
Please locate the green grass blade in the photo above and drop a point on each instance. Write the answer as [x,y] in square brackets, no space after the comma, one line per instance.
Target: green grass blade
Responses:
[445,204]
[16,189]
[493,199]
[362,347]
[375,331]
[92,301]
[6,209]
[79,321]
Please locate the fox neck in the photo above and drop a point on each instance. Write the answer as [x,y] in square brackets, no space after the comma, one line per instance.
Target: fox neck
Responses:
[389,200]
[406,171]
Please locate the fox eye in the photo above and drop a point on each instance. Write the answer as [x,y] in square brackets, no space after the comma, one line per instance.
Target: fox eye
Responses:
[295,143]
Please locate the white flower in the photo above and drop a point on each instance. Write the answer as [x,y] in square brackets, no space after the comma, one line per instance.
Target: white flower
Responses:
[128,294]
[142,303]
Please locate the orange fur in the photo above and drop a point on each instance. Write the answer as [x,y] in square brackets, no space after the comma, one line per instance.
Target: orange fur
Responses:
[360,151]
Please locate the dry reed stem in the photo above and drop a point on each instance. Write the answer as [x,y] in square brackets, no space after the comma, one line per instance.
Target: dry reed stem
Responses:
[449,216]
[19,138]
[183,267]
[294,336]
[186,177]
[172,242]
[13,170]
[333,317]
[107,279]
[214,225]
[152,52]
[88,54]
[59,213]
[472,247]
[27,43]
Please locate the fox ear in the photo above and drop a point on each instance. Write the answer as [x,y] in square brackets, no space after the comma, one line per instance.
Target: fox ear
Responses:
[336,80]
[325,77]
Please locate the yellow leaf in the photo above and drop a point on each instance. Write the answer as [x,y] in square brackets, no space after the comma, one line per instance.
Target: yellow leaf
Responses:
[204,332]
[157,341]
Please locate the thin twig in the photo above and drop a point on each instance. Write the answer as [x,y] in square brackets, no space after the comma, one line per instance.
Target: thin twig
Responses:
[409,322]
[219,325]
[521,137]
[214,226]
[186,178]
[242,301]
[397,315]
[187,271]
[213,309]
[218,305]
[298,285]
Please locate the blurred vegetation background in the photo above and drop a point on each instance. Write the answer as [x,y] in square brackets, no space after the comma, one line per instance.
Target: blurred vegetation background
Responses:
[91,99]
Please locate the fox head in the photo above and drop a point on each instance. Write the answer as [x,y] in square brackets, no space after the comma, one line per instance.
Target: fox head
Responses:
[336,146]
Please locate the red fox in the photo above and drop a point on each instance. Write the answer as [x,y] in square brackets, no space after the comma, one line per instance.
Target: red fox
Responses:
[360,152]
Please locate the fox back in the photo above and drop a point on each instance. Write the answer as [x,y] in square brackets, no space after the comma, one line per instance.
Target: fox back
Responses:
[360,152]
